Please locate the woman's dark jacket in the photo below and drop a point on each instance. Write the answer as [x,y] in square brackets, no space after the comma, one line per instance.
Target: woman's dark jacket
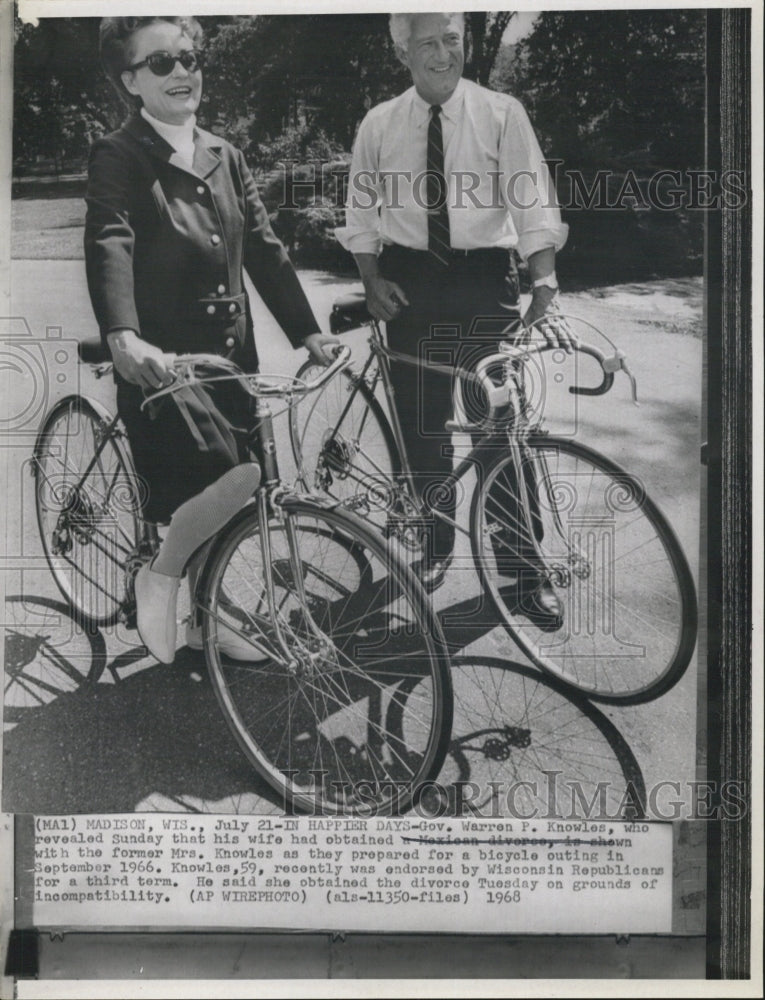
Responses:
[165,250]
[166,245]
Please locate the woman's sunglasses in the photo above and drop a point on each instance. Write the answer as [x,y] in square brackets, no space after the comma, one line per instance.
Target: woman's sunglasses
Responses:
[163,64]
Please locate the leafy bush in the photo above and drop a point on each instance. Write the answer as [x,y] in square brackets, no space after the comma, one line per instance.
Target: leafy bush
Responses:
[309,235]
[303,143]
[305,203]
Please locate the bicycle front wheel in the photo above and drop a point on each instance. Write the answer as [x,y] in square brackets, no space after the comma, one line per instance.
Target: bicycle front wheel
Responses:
[344,446]
[613,561]
[88,507]
[344,704]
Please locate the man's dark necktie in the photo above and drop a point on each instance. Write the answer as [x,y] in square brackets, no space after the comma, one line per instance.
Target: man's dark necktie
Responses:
[439,243]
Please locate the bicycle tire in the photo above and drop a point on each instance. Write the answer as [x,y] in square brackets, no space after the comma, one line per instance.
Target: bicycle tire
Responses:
[88,508]
[312,718]
[614,562]
[355,463]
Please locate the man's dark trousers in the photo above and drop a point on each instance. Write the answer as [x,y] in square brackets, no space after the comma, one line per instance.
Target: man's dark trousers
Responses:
[455,316]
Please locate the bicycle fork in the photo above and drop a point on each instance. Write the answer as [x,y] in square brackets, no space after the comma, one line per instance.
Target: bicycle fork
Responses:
[267,502]
[538,483]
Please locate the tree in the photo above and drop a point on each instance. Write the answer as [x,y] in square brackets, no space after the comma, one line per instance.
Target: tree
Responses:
[323,70]
[484,32]
[281,71]
[618,87]
[617,96]
[62,100]
[314,74]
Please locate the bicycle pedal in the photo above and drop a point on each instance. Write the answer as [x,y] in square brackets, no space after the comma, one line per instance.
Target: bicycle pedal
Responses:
[129,618]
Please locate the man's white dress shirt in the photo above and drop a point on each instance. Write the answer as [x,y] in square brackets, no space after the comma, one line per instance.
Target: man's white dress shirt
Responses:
[499,189]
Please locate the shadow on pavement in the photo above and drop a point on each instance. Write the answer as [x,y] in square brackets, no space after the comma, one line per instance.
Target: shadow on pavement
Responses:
[93,739]
[107,747]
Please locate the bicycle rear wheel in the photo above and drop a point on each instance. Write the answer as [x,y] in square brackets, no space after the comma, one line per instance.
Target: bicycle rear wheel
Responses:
[344,446]
[88,507]
[612,559]
[350,635]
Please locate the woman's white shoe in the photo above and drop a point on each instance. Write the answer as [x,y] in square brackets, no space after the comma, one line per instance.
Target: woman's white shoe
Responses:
[156,598]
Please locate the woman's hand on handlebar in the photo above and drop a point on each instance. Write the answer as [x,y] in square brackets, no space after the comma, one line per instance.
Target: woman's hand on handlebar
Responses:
[139,362]
[322,347]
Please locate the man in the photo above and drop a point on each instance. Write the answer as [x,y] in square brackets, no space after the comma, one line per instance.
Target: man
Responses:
[446,180]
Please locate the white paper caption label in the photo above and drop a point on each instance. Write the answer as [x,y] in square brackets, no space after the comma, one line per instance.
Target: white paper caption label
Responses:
[452,875]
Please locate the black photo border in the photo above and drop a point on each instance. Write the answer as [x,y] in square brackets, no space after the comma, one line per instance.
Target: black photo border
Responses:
[728,289]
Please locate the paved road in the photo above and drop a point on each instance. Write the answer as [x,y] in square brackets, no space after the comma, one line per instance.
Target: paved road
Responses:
[147,736]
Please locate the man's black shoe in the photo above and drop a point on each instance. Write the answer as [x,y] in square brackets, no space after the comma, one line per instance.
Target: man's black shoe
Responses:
[537,601]
[432,572]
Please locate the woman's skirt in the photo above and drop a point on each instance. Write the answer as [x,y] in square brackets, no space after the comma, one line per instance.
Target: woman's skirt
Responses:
[185,441]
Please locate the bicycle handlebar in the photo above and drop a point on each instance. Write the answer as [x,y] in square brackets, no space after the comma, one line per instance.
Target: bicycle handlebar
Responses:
[258,384]
[608,375]
[609,365]
[350,312]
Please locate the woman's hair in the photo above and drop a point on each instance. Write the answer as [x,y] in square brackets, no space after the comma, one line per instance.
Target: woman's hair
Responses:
[401,27]
[115,36]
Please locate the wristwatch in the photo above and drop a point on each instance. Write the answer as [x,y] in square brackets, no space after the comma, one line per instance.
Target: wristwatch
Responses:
[550,281]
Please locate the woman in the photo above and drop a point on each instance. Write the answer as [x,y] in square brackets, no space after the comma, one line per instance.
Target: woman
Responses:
[173,218]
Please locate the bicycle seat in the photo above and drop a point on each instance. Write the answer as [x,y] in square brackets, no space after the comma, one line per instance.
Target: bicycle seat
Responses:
[93,351]
[349,312]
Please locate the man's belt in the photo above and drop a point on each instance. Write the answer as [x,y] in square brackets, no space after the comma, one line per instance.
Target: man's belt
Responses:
[455,256]
[219,308]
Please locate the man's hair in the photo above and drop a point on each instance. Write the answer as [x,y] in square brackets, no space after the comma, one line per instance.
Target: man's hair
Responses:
[401,26]
[114,37]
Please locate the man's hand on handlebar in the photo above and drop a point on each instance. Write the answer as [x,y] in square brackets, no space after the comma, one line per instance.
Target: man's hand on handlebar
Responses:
[544,315]
[139,362]
[322,347]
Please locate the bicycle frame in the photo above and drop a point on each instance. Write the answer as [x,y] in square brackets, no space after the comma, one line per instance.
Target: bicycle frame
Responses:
[268,497]
[509,432]
[148,539]
[551,520]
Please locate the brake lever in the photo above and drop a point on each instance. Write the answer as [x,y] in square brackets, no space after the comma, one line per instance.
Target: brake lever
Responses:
[618,362]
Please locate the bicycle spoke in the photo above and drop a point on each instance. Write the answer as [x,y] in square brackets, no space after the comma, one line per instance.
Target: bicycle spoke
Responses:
[611,562]
[353,702]
[343,446]
[82,473]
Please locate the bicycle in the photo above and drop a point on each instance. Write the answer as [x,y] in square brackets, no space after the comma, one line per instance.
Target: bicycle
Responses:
[346,705]
[543,505]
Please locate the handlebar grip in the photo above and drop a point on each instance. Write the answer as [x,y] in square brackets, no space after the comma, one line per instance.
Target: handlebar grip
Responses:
[594,390]
[607,367]
[342,356]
